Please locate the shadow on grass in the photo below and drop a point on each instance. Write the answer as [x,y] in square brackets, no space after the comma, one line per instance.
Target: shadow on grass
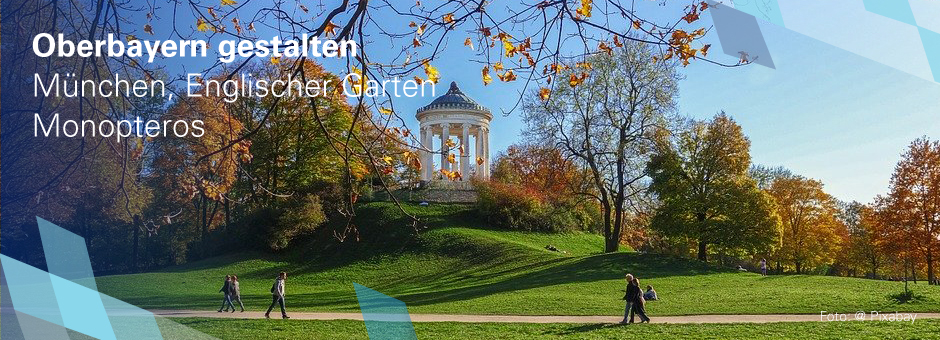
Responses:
[587,328]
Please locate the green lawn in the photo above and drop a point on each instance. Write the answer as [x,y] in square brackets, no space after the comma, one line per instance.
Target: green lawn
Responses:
[458,268]
[342,330]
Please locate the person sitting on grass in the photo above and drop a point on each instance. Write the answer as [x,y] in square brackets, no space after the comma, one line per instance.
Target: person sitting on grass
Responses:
[277,292]
[227,294]
[650,294]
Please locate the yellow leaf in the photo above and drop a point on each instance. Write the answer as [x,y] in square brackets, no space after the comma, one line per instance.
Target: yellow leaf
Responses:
[603,47]
[275,60]
[387,159]
[450,143]
[358,86]
[131,37]
[201,25]
[498,66]
[486,76]
[433,75]
[575,80]
[585,9]
[448,18]
[452,158]
[385,111]
[148,29]
[544,93]
[507,76]
[479,160]
[468,42]
[637,24]
[228,2]
[509,47]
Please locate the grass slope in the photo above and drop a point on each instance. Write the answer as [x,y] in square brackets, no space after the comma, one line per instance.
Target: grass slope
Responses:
[456,267]
[343,330]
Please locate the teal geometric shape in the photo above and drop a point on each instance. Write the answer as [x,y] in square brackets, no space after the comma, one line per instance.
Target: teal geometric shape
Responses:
[767,10]
[82,309]
[66,254]
[386,318]
[31,290]
[899,10]
[739,34]
[129,321]
[931,41]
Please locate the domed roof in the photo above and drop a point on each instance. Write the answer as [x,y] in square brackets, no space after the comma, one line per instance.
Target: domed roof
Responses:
[454,99]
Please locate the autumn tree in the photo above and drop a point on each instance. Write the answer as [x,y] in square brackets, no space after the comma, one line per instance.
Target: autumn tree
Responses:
[910,213]
[602,113]
[861,251]
[810,228]
[540,168]
[700,177]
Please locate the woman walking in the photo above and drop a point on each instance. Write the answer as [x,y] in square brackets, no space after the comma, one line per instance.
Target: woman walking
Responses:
[236,294]
[639,304]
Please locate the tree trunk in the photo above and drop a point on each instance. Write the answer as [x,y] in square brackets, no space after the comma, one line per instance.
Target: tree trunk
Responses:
[205,228]
[702,245]
[134,263]
[930,277]
[702,253]
[779,268]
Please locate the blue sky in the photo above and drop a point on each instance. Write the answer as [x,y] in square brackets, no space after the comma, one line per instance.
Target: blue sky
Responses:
[823,113]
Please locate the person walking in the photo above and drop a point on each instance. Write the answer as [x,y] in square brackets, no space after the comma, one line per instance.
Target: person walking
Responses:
[639,304]
[627,299]
[227,294]
[763,267]
[277,292]
[236,294]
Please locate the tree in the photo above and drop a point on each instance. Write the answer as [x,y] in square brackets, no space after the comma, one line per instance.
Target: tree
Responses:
[603,118]
[861,249]
[810,227]
[910,213]
[700,176]
[542,169]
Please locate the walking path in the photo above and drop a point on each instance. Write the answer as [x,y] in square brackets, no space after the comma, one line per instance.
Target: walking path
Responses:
[587,319]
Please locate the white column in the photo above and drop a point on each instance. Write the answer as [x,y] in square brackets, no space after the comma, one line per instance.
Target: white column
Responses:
[423,153]
[486,153]
[478,153]
[445,151]
[428,159]
[465,156]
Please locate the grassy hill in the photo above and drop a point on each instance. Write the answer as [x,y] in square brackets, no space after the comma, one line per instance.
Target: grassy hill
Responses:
[457,267]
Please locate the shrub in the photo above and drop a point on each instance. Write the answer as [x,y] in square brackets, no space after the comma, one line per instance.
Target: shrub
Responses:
[274,227]
[511,206]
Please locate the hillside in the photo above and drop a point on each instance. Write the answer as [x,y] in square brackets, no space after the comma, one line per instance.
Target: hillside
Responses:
[457,267]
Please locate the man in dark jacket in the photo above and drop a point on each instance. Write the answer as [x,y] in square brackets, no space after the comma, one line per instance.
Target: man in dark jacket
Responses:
[628,299]
[227,297]
[277,293]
